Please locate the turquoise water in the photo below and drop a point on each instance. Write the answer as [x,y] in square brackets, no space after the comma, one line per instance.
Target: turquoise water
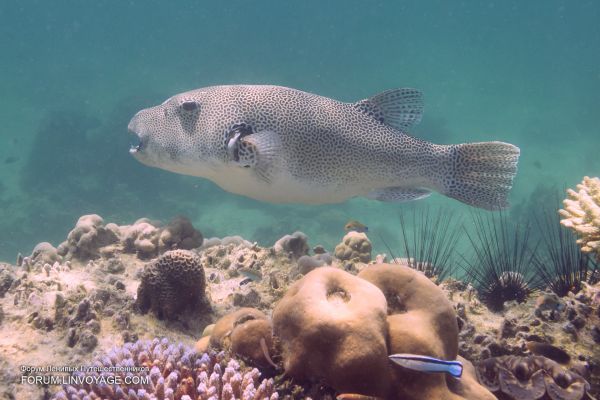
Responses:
[73,73]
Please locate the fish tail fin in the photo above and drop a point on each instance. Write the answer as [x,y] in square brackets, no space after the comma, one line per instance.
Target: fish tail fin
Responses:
[480,174]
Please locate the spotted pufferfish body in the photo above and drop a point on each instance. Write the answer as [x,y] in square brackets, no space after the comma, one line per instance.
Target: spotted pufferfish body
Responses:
[283,145]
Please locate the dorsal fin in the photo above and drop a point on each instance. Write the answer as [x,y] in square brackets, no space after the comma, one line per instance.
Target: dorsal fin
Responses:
[398,108]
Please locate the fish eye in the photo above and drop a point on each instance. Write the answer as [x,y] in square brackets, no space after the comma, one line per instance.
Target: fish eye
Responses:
[190,105]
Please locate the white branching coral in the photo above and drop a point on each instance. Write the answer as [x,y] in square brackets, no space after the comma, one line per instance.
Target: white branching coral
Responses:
[581,214]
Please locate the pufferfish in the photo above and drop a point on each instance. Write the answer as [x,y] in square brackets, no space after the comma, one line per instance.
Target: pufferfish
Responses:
[283,145]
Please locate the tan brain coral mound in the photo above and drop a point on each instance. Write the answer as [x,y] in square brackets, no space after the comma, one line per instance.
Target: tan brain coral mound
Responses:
[354,246]
[88,237]
[581,214]
[332,327]
[421,316]
[421,321]
[172,284]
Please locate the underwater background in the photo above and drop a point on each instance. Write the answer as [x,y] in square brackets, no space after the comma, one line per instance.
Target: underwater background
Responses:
[74,73]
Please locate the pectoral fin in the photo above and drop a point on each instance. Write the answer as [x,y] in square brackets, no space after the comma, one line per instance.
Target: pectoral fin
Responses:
[398,194]
[259,151]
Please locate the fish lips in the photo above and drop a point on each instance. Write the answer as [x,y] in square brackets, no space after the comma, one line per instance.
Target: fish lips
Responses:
[139,140]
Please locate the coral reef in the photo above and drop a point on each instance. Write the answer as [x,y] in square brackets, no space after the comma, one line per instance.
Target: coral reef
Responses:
[173,284]
[90,303]
[92,239]
[305,264]
[247,333]
[531,377]
[44,253]
[355,246]
[294,245]
[88,237]
[332,325]
[581,214]
[175,371]
[149,240]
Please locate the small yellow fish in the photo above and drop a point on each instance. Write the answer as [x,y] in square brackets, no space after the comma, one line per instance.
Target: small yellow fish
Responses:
[355,226]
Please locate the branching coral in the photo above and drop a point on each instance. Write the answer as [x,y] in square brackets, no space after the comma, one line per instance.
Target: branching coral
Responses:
[175,372]
[581,214]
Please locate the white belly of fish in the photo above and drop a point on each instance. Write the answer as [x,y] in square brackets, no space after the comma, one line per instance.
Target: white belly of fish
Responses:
[282,188]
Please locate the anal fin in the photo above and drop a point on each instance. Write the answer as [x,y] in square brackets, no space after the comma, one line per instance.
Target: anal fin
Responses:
[398,194]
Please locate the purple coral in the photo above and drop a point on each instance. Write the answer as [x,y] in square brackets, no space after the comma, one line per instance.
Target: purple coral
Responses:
[174,371]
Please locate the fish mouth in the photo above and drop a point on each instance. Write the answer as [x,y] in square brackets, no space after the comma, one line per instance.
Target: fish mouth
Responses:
[137,141]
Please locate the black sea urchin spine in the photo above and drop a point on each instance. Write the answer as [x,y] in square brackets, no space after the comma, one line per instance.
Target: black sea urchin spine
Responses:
[562,267]
[430,246]
[500,266]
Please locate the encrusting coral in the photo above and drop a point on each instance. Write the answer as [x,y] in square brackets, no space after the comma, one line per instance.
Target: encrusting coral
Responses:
[172,284]
[247,333]
[175,372]
[87,237]
[531,377]
[295,245]
[581,214]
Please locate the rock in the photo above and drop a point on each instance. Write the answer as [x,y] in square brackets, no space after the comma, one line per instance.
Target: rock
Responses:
[87,340]
[45,253]
[93,325]
[578,322]
[496,349]
[479,338]
[507,329]
[569,328]
[179,234]
[88,236]
[114,266]
[72,337]
[596,333]
[248,298]
[7,277]
[318,249]
[295,245]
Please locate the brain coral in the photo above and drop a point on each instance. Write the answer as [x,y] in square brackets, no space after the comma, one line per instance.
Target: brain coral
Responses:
[175,372]
[171,284]
[581,214]
[355,245]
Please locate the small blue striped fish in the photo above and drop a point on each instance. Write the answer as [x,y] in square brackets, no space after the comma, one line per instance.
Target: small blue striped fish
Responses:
[427,364]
